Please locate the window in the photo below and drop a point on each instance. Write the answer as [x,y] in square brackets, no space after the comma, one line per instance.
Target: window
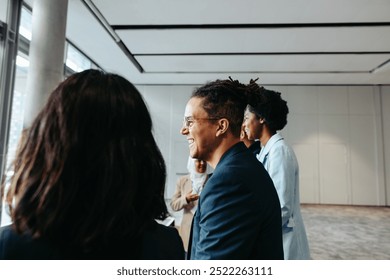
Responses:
[75,61]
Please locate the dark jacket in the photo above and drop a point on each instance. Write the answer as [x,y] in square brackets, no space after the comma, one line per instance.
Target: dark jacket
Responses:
[255,147]
[238,215]
[158,243]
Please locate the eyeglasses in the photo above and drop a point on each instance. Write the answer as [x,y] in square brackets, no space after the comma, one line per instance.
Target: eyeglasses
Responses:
[188,122]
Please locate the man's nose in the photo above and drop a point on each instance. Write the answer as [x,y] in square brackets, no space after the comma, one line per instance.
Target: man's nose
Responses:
[184,130]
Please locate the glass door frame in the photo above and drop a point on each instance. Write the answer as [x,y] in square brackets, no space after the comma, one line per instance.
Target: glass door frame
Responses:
[8,52]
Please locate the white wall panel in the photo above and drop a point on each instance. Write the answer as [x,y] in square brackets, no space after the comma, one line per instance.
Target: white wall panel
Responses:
[333,129]
[333,100]
[307,155]
[302,129]
[361,100]
[303,100]
[365,189]
[334,187]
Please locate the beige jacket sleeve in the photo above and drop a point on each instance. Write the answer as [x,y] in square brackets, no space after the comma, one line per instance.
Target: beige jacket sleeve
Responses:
[183,187]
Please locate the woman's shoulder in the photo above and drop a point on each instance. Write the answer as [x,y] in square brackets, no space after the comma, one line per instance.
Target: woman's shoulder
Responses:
[162,242]
[6,231]
[11,242]
[7,235]
[23,246]
[281,147]
[159,242]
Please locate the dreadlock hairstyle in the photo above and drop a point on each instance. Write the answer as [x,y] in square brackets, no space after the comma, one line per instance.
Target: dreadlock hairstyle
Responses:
[88,172]
[224,99]
[267,104]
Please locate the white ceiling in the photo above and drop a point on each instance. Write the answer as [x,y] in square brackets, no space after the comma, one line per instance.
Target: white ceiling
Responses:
[279,41]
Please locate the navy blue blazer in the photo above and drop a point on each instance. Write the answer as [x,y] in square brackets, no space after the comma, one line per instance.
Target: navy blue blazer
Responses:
[238,215]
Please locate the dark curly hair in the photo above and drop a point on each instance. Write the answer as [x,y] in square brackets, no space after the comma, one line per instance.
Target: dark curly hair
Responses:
[267,104]
[88,173]
[224,99]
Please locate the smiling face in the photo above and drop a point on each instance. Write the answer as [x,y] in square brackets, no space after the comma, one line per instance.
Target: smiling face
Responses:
[253,126]
[200,132]
[200,166]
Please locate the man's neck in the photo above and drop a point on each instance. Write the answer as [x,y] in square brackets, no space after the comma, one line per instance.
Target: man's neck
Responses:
[225,145]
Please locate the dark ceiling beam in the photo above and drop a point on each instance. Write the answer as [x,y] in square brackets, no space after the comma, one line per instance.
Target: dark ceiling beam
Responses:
[263,53]
[104,23]
[250,25]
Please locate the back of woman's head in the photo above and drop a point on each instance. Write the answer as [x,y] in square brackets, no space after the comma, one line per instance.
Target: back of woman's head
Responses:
[269,105]
[88,170]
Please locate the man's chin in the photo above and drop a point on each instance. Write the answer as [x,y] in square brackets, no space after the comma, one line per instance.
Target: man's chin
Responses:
[194,154]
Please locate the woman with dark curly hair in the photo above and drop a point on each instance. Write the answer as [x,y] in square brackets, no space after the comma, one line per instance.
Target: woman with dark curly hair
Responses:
[89,178]
[267,114]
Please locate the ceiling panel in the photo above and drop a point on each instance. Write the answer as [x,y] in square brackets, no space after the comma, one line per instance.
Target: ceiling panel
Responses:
[261,63]
[343,39]
[157,12]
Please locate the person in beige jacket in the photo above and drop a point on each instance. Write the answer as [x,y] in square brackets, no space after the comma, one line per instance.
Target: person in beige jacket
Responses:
[188,189]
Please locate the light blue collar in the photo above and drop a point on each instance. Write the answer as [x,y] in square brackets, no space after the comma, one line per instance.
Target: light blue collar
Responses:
[265,150]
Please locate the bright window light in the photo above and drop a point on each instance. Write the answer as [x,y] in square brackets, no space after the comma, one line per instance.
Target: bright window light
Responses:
[25,33]
[22,62]
[72,65]
[75,60]
[25,26]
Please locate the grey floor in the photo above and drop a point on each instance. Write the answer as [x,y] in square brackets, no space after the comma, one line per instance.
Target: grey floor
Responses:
[343,232]
[347,232]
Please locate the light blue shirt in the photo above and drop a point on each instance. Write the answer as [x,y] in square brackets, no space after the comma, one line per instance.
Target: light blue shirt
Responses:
[281,163]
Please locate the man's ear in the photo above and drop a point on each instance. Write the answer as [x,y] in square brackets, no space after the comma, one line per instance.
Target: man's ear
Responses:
[262,120]
[223,125]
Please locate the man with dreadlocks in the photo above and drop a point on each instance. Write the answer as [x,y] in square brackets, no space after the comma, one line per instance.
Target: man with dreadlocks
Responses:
[238,215]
